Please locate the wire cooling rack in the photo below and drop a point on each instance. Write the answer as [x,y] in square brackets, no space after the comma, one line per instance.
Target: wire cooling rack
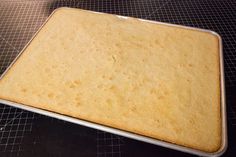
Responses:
[24,133]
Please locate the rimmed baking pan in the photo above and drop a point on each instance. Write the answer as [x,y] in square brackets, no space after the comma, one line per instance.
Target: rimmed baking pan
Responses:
[121,26]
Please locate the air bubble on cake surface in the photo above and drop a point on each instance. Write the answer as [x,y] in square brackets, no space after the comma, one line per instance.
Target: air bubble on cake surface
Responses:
[39,94]
[76,82]
[124,73]
[129,77]
[24,90]
[181,65]
[110,78]
[153,91]
[119,51]
[166,92]
[156,41]
[54,66]
[67,83]
[112,87]
[57,96]
[78,103]
[103,76]
[114,58]
[156,120]
[116,71]
[99,86]
[50,95]
[207,68]
[133,108]
[161,97]
[108,33]
[71,39]
[135,88]
[72,86]
[192,121]
[28,72]
[47,70]
[77,100]
[118,45]
[109,101]
[34,92]
[65,47]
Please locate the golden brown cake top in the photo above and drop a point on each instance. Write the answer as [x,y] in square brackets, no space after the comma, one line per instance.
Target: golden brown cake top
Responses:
[151,79]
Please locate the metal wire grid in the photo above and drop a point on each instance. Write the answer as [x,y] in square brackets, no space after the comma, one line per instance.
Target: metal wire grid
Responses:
[18,24]
[22,21]
[14,123]
[232,112]
[138,8]
[109,145]
[232,107]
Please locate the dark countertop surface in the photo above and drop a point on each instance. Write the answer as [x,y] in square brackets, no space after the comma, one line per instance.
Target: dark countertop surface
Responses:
[27,134]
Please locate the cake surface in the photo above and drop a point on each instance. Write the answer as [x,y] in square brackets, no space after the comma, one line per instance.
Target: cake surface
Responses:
[151,79]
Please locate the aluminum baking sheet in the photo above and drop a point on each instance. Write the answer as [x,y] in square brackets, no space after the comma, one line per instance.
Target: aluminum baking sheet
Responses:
[133,135]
